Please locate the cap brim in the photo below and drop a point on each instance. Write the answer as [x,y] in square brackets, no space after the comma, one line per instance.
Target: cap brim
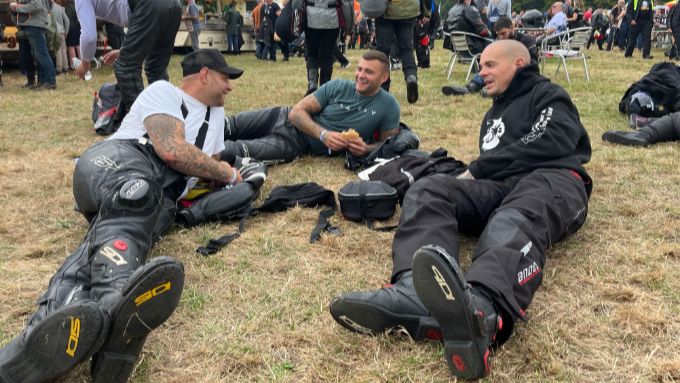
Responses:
[233,73]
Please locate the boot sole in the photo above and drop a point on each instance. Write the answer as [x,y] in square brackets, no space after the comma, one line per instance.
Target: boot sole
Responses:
[440,285]
[412,92]
[57,344]
[363,318]
[149,299]
[610,137]
[447,91]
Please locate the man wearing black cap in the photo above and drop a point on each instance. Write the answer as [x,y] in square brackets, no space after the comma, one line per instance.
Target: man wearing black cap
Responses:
[105,299]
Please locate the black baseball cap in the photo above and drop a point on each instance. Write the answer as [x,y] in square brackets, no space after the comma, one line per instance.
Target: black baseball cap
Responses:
[211,59]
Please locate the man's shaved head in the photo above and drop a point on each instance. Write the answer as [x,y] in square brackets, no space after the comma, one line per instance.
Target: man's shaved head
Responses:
[499,63]
[512,49]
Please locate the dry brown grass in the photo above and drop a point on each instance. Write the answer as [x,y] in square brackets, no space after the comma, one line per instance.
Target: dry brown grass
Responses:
[257,311]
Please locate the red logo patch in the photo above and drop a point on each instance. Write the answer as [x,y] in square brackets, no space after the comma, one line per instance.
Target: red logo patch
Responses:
[120,245]
[458,362]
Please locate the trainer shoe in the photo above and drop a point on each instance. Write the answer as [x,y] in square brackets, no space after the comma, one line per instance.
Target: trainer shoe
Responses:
[149,298]
[634,138]
[411,89]
[55,345]
[467,318]
[251,170]
[391,308]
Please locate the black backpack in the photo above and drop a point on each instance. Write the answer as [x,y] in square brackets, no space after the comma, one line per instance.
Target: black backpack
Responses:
[104,106]
[404,171]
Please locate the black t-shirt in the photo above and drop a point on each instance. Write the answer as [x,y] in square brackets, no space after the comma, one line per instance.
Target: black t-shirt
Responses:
[269,11]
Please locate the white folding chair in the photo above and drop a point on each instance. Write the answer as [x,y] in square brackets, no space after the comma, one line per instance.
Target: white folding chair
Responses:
[461,51]
[571,46]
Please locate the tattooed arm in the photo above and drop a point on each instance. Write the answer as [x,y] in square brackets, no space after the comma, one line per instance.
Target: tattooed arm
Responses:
[301,117]
[167,135]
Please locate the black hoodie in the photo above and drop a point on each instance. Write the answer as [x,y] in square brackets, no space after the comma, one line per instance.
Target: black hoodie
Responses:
[532,125]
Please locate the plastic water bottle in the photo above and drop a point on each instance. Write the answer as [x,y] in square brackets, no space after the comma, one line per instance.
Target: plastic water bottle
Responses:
[76,63]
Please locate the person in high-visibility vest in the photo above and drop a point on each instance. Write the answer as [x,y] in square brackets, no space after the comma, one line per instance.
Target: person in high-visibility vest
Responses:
[640,13]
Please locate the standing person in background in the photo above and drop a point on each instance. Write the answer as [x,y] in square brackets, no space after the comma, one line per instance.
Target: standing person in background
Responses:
[73,35]
[424,34]
[398,21]
[615,15]
[234,23]
[259,43]
[321,31]
[482,7]
[588,16]
[354,33]
[363,32]
[641,16]
[624,29]
[26,62]
[674,23]
[114,35]
[284,29]
[268,14]
[192,23]
[495,10]
[572,8]
[150,38]
[62,27]
[34,19]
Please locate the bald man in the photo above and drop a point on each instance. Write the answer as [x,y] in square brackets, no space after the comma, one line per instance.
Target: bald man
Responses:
[526,190]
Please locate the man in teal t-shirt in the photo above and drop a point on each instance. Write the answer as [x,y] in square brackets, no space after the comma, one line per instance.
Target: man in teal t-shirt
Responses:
[314,125]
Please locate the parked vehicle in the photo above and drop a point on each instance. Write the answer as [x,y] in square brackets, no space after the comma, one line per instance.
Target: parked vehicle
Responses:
[9,49]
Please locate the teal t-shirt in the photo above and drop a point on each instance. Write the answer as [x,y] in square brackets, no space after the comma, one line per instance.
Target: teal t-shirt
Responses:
[343,108]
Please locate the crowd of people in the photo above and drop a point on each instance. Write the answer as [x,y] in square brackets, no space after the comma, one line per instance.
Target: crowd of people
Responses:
[107,297]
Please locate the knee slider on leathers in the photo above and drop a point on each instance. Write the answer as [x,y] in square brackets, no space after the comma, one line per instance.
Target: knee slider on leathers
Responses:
[137,196]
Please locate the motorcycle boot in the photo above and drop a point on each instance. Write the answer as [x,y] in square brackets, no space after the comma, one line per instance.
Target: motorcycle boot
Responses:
[469,322]
[312,80]
[66,328]
[395,307]
[53,346]
[137,297]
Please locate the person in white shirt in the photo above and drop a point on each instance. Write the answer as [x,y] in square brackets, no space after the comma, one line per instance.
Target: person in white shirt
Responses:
[150,38]
[105,298]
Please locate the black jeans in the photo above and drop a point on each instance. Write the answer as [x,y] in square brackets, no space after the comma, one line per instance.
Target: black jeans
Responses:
[644,27]
[519,219]
[385,31]
[320,47]
[149,40]
[26,62]
[263,134]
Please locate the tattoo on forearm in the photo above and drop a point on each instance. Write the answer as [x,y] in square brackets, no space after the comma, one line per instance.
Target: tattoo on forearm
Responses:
[303,118]
[167,136]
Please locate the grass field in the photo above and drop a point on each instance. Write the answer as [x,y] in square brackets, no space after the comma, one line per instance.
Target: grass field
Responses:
[608,309]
